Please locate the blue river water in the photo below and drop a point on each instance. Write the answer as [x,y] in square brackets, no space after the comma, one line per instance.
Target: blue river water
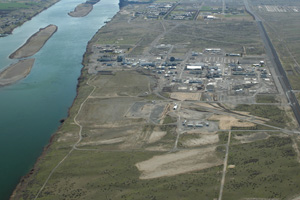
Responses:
[30,110]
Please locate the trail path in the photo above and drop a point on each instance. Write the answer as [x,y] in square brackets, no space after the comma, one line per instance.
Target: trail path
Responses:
[225,167]
[74,146]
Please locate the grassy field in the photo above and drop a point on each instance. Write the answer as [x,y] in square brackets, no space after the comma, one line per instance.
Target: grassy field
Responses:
[218,34]
[205,8]
[82,175]
[14,13]
[131,34]
[284,33]
[14,5]
[264,169]
[122,84]
[168,120]
[266,99]
[277,116]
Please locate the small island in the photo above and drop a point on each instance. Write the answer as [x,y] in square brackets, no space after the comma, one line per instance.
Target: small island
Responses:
[16,72]
[83,9]
[34,43]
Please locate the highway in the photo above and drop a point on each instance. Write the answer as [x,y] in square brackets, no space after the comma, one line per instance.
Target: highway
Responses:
[271,52]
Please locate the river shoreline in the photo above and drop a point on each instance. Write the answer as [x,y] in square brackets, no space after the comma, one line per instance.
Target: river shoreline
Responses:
[9,32]
[24,180]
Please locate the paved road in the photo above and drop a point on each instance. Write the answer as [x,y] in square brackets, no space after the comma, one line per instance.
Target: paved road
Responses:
[286,86]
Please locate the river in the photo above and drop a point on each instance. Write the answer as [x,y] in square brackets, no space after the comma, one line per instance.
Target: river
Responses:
[30,110]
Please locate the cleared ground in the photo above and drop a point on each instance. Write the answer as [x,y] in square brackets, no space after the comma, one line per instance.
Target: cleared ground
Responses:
[227,122]
[178,163]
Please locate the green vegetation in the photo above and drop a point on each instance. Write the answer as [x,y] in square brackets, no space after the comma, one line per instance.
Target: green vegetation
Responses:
[298,96]
[165,94]
[148,128]
[216,33]
[169,120]
[294,81]
[130,35]
[152,97]
[277,116]
[168,128]
[247,136]
[266,99]
[206,8]
[265,165]
[14,13]
[168,140]
[161,1]
[15,5]
[123,83]
[264,169]
[185,137]
[223,137]
[284,35]
[256,127]
[82,175]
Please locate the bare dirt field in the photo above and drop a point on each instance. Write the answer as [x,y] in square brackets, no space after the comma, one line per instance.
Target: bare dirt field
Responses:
[178,163]
[214,106]
[110,141]
[252,137]
[35,42]
[202,139]
[182,96]
[16,72]
[227,122]
[156,136]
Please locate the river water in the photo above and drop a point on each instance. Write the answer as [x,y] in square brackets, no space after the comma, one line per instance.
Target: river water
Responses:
[30,110]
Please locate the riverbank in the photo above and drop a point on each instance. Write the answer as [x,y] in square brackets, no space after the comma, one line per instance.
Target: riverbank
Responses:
[49,90]
[29,178]
[19,13]
[16,72]
[83,9]
[34,43]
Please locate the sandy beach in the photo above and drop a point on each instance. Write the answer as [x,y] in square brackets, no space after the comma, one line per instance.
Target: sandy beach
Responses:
[34,43]
[16,72]
[83,9]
